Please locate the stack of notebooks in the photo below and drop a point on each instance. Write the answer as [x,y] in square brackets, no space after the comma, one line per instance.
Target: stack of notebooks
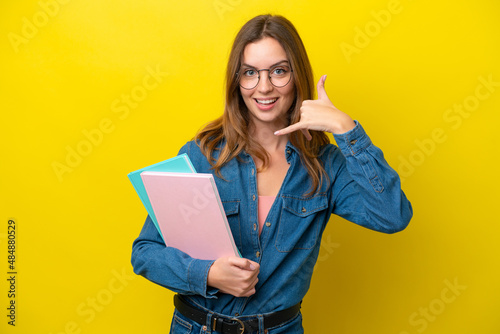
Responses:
[185,207]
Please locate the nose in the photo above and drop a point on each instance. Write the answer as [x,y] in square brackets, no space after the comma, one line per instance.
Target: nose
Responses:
[264,85]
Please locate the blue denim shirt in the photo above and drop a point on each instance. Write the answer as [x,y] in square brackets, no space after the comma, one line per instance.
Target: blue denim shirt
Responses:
[362,188]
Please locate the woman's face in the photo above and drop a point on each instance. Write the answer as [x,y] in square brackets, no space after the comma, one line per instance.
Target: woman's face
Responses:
[268,105]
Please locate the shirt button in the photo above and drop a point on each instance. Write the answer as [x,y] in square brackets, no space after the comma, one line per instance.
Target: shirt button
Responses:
[257,254]
[304,210]
[288,151]
[268,224]
[254,227]
[354,141]
[253,171]
[236,314]
[253,197]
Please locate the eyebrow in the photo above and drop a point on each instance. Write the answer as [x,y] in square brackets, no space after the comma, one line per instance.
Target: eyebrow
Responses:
[275,64]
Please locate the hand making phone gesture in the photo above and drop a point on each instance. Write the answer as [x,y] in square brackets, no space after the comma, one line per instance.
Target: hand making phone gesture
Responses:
[320,115]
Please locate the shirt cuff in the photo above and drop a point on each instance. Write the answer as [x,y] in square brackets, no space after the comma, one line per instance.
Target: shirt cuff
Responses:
[353,141]
[198,277]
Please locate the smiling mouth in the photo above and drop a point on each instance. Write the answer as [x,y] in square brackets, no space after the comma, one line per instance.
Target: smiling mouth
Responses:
[266,102]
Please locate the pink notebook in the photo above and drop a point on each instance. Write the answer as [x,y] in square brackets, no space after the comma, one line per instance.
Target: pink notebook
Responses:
[190,214]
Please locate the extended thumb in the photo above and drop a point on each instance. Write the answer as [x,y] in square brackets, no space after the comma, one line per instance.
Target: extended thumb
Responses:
[321,88]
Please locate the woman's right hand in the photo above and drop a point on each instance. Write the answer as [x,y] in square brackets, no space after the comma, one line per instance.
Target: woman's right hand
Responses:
[234,275]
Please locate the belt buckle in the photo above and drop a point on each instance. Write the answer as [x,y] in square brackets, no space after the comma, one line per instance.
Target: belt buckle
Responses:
[229,321]
[242,329]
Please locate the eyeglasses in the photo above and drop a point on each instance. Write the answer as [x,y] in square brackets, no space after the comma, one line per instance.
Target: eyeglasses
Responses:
[279,76]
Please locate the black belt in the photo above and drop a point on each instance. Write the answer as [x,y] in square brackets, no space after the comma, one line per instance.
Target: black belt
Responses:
[228,325]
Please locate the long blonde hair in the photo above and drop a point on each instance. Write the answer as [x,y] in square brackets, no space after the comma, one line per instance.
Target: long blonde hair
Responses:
[233,126]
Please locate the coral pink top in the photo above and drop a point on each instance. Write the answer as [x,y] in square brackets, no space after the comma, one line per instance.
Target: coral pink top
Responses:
[264,205]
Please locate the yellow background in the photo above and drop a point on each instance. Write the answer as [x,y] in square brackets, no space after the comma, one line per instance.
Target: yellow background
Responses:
[66,66]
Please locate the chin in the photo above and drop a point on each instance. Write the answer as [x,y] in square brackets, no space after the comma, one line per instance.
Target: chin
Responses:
[263,117]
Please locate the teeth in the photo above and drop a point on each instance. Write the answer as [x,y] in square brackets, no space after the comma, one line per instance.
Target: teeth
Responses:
[266,101]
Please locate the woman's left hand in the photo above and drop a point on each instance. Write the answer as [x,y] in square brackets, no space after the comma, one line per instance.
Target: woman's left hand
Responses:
[320,115]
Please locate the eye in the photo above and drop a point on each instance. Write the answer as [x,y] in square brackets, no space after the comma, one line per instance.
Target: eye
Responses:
[279,71]
[249,72]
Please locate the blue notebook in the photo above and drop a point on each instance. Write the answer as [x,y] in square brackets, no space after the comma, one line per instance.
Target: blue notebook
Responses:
[178,164]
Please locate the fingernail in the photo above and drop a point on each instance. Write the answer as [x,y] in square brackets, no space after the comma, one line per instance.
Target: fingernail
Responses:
[252,267]
[277,133]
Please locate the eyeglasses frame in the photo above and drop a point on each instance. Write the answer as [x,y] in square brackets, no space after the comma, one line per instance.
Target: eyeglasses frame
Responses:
[269,76]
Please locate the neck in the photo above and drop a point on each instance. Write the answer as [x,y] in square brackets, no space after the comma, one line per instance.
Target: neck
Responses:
[265,136]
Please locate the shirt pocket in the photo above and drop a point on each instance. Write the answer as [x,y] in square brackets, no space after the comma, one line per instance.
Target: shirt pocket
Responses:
[232,210]
[300,222]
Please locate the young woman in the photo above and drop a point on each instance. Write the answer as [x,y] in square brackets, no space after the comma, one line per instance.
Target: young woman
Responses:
[279,179]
